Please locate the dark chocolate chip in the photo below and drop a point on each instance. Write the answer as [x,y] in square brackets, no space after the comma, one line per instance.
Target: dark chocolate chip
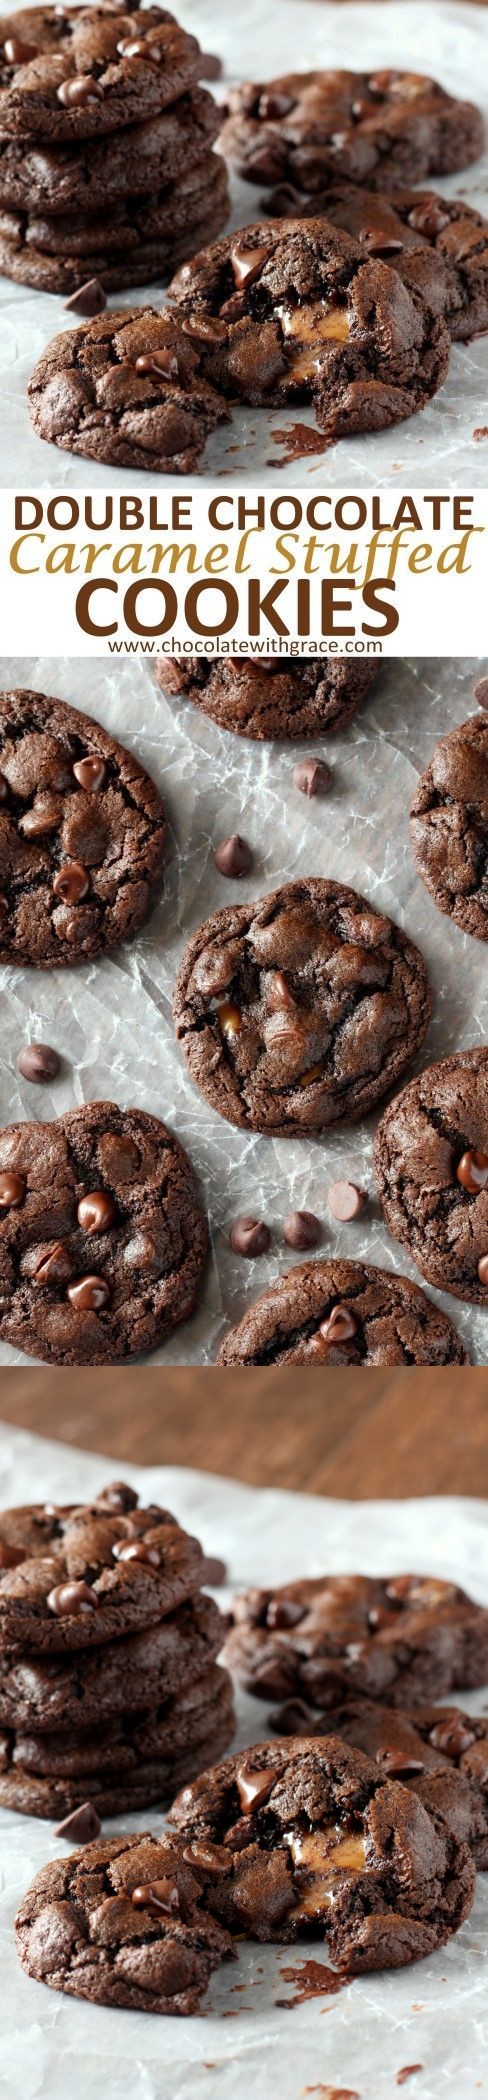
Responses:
[71,1598]
[233,857]
[96,1212]
[250,1236]
[89,299]
[301,1230]
[72,882]
[284,1611]
[12,1190]
[312,776]
[81,1826]
[38,1062]
[89,1294]
[253,1786]
[74,93]
[157,1896]
[345,1200]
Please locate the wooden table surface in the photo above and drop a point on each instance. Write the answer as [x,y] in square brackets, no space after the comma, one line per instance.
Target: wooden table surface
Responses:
[345,1433]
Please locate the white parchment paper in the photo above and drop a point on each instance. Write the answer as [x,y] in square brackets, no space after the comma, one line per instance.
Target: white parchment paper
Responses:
[111,1020]
[433,2014]
[448,40]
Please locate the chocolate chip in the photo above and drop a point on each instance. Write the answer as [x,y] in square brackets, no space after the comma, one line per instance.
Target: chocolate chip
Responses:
[480,692]
[274,105]
[397,1763]
[249,1236]
[118,1496]
[452,1738]
[301,1229]
[17,53]
[285,202]
[71,1598]
[247,262]
[72,882]
[44,817]
[240,1835]
[89,299]
[379,242]
[284,1611]
[253,1786]
[91,773]
[89,1294]
[345,1200]
[97,1212]
[138,1550]
[12,1190]
[74,93]
[81,1826]
[140,1252]
[213,1860]
[38,1062]
[53,1264]
[10,1556]
[378,1618]
[294,1718]
[157,1896]
[213,1572]
[233,857]
[4,789]
[312,776]
[340,1327]
[428,218]
[163,364]
[472,1172]
[482,1265]
[137,47]
[209,67]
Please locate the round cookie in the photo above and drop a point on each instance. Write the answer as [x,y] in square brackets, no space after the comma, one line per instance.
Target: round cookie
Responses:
[387,126]
[123,1767]
[79,1930]
[138,1670]
[75,1577]
[300,1010]
[402,1640]
[293,309]
[431,1167]
[438,245]
[144,238]
[102,1238]
[75,81]
[82,835]
[127,389]
[273,697]
[449,826]
[342,1312]
[87,178]
[335,1850]
[438,1752]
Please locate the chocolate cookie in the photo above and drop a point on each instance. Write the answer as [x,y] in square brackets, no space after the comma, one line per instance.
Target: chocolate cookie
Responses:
[370,127]
[78,1576]
[273,697]
[300,1010]
[124,1766]
[134,1672]
[342,1312]
[127,389]
[102,1239]
[438,1752]
[449,826]
[144,238]
[82,835]
[284,310]
[438,245]
[75,72]
[87,178]
[431,1166]
[322,1843]
[121,1922]
[400,1640]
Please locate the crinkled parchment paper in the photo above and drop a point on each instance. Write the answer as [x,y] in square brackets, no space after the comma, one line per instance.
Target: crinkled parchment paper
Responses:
[111,1019]
[433,2014]
[448,40]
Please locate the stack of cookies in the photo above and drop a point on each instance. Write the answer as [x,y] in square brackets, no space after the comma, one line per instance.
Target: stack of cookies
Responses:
[110,1693]
[107,174]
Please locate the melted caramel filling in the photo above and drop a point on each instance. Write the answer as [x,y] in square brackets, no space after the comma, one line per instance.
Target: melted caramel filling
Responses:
[229,1018]
[305,324]
[324,1854]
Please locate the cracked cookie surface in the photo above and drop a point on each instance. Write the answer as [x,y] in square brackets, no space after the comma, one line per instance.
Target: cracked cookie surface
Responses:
[437,1751]
[294,310]
[431,1168]
[449,826]
[299,1011]
[402,1639]
[82,834]
[342,1312]
[304,127]
[102,1238]
[85,1929]
[126,388]
[274,697]
[75,1576]
[438,245]
[64,75]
